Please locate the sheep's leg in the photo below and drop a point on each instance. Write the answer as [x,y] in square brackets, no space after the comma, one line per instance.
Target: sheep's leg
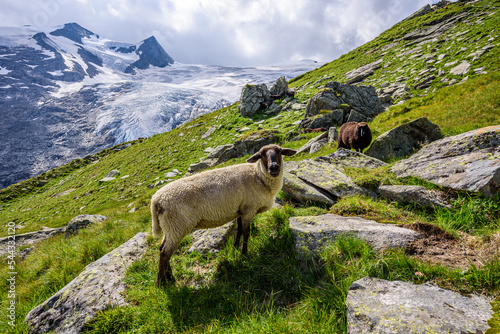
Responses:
[238,233]
[246,232]
[164,269]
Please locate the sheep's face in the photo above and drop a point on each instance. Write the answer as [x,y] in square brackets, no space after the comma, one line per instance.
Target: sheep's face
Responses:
[271,158]
[363,130]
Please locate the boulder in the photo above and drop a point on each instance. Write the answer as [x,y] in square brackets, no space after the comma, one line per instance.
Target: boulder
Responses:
[110,176]
[380,306]
[344,158]
[98,287]
[302,192]
[251,143]
[414,195]
[333,135]
[280,87]
[81,221]
[403,140]
[30,238]
[313,232]
[461,69]
[325,178]
[209,131]
[363,72]
[307,146]
[199,166]
[212,240]
[363,99]
[469,161]
[316,146]
[252,98]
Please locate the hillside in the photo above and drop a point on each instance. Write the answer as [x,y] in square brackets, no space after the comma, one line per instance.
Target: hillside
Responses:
[271,290]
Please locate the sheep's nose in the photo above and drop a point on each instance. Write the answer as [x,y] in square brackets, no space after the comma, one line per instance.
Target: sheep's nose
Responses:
[274,169]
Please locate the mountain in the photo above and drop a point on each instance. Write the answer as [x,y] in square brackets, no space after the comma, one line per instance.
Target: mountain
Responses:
[66,92]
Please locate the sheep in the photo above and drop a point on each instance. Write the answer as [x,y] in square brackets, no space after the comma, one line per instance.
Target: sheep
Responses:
[213,198]
[357,136]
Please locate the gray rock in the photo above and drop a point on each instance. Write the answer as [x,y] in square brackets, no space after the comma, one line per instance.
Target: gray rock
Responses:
[307,146]
[379,306]
[219,152]
[30,238]
[253,142]
[333,135]
[251,99]
[334,118]
[110,176]
[209,131]
[171,174]
[414,195]
[461,69]
[422,11]
[197,167]
[469,161]
[344,158]
[212,240]
[280,87]
[404,139]
[311,233]
[316,146]
[363,72]
[361,98]
[81,221]
[302,192]
[325,178]
[97,288]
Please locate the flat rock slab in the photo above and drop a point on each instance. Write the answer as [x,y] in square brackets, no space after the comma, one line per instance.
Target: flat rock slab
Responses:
[97,288]
[380,306]
[212,240]
[469,161]
[414,195]
[81,221]
[312,232]
[344,158]
[29,238]
[324,177]
[302,192]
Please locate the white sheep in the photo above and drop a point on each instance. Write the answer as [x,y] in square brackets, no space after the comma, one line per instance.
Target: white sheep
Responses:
[215,197]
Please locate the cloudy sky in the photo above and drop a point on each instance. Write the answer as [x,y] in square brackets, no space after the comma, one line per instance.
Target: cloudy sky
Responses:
[225,32]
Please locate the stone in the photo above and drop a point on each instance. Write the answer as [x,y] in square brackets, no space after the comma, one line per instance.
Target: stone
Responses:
[280,87]
[209,131]
[380,306]
[250,144]
[361,98]
[311,233]
[363,72]
[252,98]
[171,174]
[81,221]
[302,192]
[414,195]
[333,118]
[469,161]
[98,287]
[307,146]
[403,140]
[316,146]
[461,69]
[344,158]
[212,240]
[422,11]
[333,135]
[197,167]
[325,178]
[29,238]
[110,176]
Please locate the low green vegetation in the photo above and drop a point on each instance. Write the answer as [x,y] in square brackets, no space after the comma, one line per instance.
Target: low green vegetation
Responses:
[271,289]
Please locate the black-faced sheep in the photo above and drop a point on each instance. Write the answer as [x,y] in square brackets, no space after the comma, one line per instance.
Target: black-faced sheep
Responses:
[215,197]
[354,135]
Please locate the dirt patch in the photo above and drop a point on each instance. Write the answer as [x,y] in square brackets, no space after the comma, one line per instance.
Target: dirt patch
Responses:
[439,247]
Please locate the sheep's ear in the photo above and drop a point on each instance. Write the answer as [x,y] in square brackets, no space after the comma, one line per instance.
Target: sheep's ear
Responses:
[255,157]
[288,152]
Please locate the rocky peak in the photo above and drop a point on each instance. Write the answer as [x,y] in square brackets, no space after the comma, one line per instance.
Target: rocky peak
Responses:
[74,32]
[150,53]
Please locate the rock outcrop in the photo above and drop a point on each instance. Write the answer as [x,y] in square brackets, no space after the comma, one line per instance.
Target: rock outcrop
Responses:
[97,288]
[469,161]
[252,99]
[362,99]
[212,240]
[414,195]
[344,158]
[313,232]
[380,306]
[81,221]
[403,140]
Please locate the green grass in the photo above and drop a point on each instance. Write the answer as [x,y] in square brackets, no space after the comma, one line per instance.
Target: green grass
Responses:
[271,289]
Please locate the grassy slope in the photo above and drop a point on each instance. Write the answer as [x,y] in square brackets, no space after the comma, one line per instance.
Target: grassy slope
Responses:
[270,290]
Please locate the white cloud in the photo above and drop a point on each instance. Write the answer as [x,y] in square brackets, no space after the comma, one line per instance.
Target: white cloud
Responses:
[225,32]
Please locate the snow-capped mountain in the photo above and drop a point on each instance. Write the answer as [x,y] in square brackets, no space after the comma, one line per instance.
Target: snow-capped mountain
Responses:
[66,92]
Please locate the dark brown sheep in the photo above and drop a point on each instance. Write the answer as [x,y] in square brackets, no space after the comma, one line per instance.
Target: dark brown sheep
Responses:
[354,135]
